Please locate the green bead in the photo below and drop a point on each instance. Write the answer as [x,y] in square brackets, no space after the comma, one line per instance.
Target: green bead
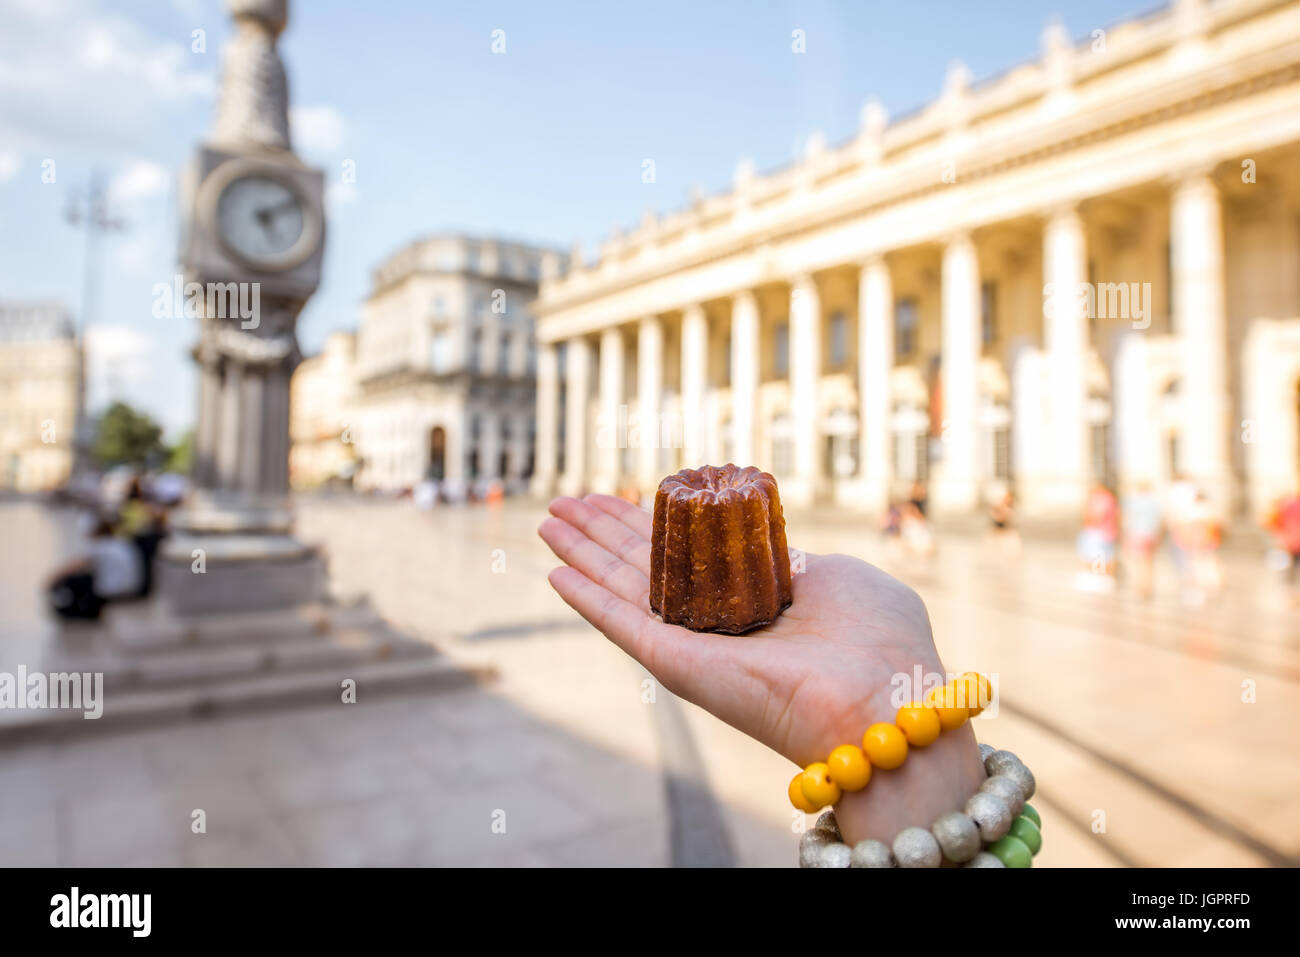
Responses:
[1012,852]
[1023,828]
[1032,813]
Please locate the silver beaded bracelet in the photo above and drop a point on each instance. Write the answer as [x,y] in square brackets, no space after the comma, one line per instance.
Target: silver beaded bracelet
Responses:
[961,837]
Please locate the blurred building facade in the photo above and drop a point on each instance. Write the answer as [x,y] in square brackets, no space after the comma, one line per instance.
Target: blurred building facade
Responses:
[446,360]
[1085,268]
[322,403]
[40,366]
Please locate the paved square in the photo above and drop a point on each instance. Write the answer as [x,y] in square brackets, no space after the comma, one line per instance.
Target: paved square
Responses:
[1131,714]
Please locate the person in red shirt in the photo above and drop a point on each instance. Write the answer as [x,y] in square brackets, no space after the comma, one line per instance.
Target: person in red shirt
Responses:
[1096,544]
[1284,523]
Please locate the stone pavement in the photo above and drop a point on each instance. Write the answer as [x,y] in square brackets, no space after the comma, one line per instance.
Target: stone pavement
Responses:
[1130,714]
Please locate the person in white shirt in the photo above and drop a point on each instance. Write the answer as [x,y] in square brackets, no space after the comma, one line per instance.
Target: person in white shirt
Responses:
[111,570]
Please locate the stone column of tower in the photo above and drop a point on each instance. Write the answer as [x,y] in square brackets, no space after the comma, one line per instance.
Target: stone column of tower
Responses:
[237,524]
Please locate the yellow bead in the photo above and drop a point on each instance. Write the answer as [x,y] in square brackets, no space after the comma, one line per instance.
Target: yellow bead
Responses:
[944,702]
[817,785]
[918,723]
[885,745]
[797,797]
[849,767]
[979,692]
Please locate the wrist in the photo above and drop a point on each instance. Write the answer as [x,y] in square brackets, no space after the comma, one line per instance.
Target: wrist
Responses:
[933,780]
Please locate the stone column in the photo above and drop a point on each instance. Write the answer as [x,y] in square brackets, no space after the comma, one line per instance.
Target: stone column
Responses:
[612,418]
[520,447]
[206,433]
[1066,342]
[744,376]
[958,485]
[695,346]
[1200,322]
[548,426]
[875,362]
[489,446]
[649,382]
[577,372]
[805,382]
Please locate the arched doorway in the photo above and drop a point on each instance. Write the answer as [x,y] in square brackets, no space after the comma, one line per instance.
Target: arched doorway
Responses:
[437,453]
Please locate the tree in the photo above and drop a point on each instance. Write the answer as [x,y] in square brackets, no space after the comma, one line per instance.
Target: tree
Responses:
[181,455]
[126,436]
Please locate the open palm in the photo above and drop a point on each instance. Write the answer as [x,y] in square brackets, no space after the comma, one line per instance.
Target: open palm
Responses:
[813,679]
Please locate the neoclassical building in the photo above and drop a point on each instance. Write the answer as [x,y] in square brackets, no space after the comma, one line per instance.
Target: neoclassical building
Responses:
[322,404]
[1085,268]
[445,362]
[40,369]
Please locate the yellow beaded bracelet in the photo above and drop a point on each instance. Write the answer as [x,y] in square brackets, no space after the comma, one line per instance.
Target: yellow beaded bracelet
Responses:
[884,745]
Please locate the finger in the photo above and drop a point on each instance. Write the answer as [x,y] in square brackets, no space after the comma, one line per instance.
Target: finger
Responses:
[606,531]
[634,517]
[669,653]
[574,547]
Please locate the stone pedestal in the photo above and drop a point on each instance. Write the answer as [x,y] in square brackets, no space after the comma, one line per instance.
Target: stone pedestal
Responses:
[207,574]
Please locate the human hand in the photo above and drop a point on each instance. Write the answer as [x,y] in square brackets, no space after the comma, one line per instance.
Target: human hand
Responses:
[815,678]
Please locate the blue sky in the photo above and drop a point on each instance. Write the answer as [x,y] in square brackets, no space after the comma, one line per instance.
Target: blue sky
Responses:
[544,142]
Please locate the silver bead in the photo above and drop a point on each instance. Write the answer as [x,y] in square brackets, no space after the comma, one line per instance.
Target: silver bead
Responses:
[916,847]
[984,859]
[991,814]
[871,854]
[985,751]
[999,760]
[1023,777]
[958,836]
[827,822]
[1005,787]
[810,845]
[832,855]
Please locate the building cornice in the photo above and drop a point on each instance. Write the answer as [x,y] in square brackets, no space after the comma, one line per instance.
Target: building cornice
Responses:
[848,185]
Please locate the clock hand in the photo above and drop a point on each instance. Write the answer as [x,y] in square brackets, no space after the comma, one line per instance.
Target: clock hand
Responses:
[285,205]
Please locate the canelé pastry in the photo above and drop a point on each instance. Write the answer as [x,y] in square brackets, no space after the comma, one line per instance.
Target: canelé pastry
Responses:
[718,558]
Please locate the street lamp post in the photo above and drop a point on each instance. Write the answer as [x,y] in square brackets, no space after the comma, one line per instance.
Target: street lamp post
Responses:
[91,212]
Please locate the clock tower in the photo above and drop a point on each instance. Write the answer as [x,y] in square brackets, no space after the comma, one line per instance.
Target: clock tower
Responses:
[252,237]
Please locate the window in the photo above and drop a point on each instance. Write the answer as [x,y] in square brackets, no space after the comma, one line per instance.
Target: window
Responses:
[440,351]
[781,349]
[1099,448]
[782,446]
[1002,453]
[1169,281]
[989,313]
[475,350]
[503,356]
[905,328]
[839,340]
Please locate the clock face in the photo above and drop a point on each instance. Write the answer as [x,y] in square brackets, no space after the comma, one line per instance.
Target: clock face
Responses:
[261,219]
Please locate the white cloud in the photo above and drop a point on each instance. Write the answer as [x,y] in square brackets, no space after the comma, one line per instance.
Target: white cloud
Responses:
[141,179]
[93,79]
[316,128]
[339,194]
[10,163]
[116,358]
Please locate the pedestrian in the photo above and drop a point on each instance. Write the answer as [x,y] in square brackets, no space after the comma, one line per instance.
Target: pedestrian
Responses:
[1143,526]
[1198,534]
[144,524]
[1096,541]
[1002,530]
[1181,502]
[1284,522]
[111,570]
